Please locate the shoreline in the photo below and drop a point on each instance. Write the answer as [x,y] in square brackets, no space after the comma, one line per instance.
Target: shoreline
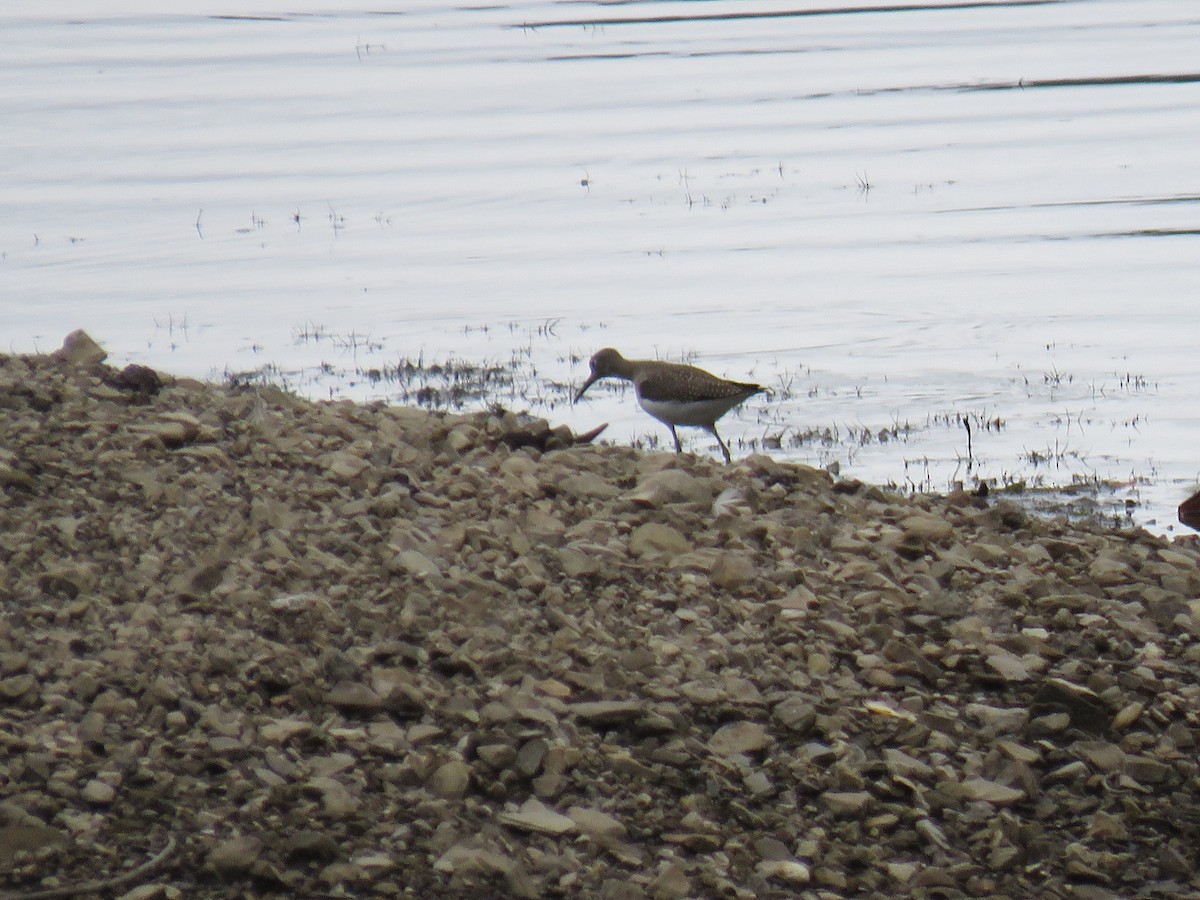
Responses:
[319,646]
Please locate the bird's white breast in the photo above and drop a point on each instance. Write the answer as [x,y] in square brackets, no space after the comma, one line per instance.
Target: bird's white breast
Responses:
[701,413]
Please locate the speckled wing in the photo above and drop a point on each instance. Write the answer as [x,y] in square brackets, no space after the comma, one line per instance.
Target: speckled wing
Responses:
[670,382]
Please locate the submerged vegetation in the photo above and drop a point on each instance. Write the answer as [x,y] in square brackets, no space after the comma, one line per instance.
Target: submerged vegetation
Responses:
[451,384]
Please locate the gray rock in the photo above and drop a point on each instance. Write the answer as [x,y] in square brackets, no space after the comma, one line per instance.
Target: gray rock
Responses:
[235,857]
[655,539]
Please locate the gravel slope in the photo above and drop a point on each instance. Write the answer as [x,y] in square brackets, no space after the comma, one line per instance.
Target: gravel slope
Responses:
[256,646]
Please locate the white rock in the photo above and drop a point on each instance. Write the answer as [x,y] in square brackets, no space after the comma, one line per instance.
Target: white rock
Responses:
[536,816]
[654,538]
[739,737]
[990,792]
[789,870]
[99,792]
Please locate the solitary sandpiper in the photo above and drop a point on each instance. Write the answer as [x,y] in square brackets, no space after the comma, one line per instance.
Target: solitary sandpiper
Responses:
[673,393]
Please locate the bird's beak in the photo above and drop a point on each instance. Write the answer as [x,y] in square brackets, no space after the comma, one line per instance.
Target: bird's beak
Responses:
[587,384]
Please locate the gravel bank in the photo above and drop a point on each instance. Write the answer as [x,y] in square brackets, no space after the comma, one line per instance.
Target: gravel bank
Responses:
[257,646]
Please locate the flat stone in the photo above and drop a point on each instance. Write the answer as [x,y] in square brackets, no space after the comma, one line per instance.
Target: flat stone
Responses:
[462,858]
[926,527]
[607,712]
[732,571]
[672,486]
[1010,667]
[530,756]
[596,822]
[1146,770]
[354,697]
[1019,752]
[588,486]
[417,564]
[235,857]
[1108,571]
[789,870]
[280,731]
[336,799]
[1102,755]
[796,713]
[576,561]
[900,763]
[739,737]
[990,792]
[847,803]
[535,816]
[656,539]
[345,466]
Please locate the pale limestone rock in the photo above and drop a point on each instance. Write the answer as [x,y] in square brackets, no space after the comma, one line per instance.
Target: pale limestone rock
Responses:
[847,803]
[607,712]
[417,564]
[79,349]
[990,792]
[1104,756]
[790,870]
[576,560]
[280,731]
[588,486]
[656,539]
[354,697]
[596,823]
[900,763]
[534,815]
[1108,571]
[739,737]
[465,859]
[1128,714]
[672,883]
[99,792]
[672,486]
[344,465]
[336,799]
[928,527]
[1009,666]
[733,570]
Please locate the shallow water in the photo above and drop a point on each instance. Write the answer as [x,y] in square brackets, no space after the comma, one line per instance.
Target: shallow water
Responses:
[894,217]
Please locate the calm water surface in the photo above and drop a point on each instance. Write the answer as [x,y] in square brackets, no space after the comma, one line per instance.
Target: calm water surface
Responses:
[896,217]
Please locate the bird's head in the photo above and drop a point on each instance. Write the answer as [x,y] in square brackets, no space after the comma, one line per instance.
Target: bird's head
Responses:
[604,363]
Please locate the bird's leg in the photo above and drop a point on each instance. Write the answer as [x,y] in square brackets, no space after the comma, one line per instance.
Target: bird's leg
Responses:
[675,434]
[721,444]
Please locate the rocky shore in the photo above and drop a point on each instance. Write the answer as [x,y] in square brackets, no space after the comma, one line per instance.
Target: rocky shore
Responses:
[255,646]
